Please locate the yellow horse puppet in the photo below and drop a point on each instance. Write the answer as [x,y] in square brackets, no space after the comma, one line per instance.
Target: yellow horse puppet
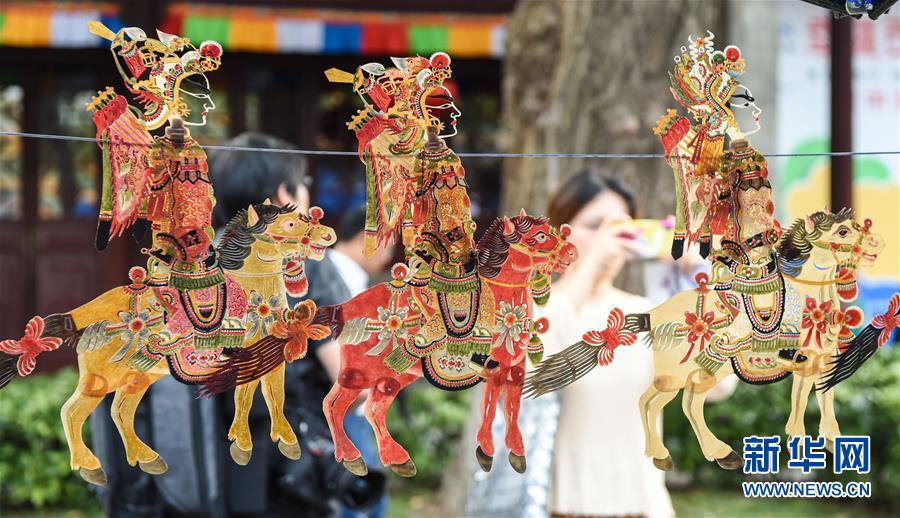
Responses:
[133,335]
[811,338]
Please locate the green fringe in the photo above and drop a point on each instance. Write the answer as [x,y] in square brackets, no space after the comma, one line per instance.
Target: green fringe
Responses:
[398,360]
[760,345]
[195,282]
[707,363]
[468,348]
[456,286]
[218,340]
[773,285]
[206,342]
[140,361]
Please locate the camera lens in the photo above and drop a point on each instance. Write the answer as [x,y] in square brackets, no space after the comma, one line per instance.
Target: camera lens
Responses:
[355,492]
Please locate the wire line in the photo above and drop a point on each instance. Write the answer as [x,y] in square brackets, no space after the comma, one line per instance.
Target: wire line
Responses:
[319,152]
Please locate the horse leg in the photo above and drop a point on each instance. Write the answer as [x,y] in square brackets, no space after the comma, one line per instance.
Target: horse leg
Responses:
[379,401]
[800,388]
[512,400]
[128,397]
[485,450]
[282,432]
[828,425]
[239,433]
[89,393]
[335,408]
[695,392]
[652,402]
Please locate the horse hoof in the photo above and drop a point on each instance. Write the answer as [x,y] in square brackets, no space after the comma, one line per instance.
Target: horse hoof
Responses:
[517,462]
[156,466]
[484,460]
[665,464]
[291,451]
[829,445]
[731,461]
[241,457]
[357,466]
[93,476]
[407,469]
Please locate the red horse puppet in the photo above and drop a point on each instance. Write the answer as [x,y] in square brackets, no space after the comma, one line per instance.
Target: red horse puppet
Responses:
[389,338]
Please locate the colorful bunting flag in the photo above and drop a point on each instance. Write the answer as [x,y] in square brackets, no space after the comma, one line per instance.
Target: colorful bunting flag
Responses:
[267,30]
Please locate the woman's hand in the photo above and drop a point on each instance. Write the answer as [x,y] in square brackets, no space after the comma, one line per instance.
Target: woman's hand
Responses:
[600,263]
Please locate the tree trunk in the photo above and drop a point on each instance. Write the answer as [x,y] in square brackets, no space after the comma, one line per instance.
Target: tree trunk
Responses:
[590,77]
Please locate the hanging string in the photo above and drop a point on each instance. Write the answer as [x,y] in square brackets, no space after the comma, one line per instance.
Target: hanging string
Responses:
[318,152]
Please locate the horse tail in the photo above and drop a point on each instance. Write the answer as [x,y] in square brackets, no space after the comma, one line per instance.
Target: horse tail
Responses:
[245,365]
[331,316]
[62,326]
[7,368]
[847,362]
[50,333]
[863,345]
[595,348]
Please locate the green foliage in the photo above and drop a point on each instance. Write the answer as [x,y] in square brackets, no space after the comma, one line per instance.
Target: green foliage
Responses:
[34,457]
[430,429]
[866,404]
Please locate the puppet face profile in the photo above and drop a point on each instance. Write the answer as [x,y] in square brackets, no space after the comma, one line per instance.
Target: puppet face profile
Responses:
[440,111]
[705,80]
[412,93]
[166,75]
[196,100]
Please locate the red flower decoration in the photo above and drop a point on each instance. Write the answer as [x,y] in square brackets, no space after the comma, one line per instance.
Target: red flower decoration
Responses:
[889,320]
[298,330]
[816,318]
[399,271]
[542,325]
[699,330]
[210,49]
[702,279]
[849,319]
[439,60]
[30,346]
[611,337]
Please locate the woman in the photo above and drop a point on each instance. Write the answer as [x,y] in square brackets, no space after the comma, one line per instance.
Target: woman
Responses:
[598,465]
[585,444]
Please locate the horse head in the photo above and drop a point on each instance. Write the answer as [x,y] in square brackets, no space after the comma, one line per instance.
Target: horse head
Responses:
[526,244]
[829,240]
[269,233]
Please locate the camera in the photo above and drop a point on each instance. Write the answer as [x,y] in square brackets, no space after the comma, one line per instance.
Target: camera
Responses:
[318,480]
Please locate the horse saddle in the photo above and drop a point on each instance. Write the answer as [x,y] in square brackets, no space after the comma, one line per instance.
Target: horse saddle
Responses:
[453,307]
[199,332]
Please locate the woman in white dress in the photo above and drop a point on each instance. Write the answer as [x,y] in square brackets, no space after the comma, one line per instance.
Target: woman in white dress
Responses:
[598,466]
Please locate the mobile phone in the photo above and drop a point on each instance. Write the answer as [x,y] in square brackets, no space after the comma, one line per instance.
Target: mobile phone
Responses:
[652,236]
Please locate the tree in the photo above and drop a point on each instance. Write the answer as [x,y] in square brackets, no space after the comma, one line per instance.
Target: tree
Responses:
[590,76]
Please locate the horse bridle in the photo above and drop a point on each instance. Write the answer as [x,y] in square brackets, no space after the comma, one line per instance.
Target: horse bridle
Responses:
[854,250]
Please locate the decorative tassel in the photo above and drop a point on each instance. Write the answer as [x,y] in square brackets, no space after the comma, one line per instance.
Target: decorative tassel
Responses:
[399,360]
[535,350]
[678,245]
[143,360]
